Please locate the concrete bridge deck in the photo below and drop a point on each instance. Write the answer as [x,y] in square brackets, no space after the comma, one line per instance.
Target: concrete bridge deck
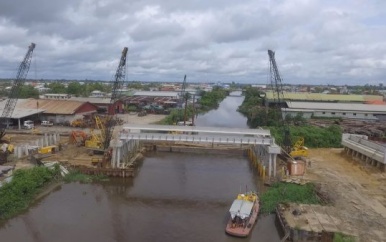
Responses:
[196,134]
[368,151]
[261,141]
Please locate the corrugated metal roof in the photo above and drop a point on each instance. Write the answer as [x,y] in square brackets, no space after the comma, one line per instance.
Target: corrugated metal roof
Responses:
[324,97]
[54,106]
[91,99]
[337,106]
[20,111]
[156,94]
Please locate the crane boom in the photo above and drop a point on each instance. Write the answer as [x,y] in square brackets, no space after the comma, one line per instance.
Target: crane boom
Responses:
[278,94]
[15,90]
[182,93]
[119,79]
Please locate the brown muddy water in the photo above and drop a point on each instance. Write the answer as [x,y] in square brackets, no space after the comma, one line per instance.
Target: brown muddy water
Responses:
[174,197]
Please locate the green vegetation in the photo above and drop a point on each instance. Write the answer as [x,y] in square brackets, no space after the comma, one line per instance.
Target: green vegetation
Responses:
[287,193]
[76,176]
[177,115]
[208,101]
[28,92]
[314,137]
[20,192]
[211,100]
[77,89]
[251,101]
[259,116]
[339,237]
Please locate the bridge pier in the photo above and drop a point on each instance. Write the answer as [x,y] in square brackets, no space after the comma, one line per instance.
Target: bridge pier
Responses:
[123,151]
[267,157]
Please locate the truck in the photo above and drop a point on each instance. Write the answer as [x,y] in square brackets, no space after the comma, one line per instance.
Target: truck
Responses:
[28,124]
[46,123]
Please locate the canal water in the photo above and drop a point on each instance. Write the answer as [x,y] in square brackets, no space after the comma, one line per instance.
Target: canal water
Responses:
[174,197]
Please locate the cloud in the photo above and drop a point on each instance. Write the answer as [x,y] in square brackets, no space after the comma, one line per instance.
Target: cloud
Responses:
[220,40]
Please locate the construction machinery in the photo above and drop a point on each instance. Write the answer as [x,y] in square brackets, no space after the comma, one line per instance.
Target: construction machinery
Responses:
[11,102]
[298,150]
[99,140]
[182,93]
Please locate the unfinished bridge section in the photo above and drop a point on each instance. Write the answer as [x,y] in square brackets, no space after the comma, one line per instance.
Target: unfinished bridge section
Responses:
[260,140]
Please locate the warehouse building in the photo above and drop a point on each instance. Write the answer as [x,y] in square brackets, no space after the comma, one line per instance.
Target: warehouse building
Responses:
[336,110]
[271,98]
[20,114]
[60,111]
[103,105]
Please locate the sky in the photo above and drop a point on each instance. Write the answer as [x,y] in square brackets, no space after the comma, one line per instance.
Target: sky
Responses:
[336,42]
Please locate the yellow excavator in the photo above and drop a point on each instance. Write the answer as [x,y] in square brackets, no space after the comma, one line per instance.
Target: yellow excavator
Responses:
[299,150]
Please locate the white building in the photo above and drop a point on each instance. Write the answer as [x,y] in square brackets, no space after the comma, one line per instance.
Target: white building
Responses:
[336,110]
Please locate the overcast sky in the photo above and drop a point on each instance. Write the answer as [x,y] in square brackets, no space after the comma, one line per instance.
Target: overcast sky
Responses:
[316,41]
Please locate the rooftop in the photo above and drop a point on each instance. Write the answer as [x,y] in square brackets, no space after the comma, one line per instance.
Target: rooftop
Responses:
[20,111]
[337,106]
[324,97]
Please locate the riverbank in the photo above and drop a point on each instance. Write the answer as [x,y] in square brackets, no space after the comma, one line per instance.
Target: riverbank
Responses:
[18,194]
[356,197]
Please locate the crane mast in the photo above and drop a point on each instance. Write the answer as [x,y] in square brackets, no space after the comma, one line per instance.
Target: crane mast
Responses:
[119,79]
[15,90]
[278,95]
[182,93]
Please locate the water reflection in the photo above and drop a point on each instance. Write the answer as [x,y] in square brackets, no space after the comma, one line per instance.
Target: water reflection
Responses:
[225,116]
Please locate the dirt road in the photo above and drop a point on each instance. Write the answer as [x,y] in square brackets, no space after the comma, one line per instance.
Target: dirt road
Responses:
[358,191]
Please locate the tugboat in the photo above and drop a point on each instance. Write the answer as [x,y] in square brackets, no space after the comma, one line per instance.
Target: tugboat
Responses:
[244,211]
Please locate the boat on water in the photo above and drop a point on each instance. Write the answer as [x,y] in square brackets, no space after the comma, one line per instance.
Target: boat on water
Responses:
[244,211]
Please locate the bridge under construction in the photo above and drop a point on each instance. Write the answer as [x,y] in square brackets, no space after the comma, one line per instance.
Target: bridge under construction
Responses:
[260,141]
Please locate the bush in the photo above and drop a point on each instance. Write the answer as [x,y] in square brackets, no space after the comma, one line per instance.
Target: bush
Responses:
[314,137]
[286,193]
[20,192]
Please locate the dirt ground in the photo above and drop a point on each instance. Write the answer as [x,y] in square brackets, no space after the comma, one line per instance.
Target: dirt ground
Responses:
[358,191]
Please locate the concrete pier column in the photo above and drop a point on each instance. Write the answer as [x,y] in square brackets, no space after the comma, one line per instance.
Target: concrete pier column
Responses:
[274,164]
[270,166]
[116,155]
[54,138]
[45,140]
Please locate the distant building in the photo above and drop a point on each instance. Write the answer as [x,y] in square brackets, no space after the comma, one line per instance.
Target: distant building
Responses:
[97,93]
[103,104]
[172,95]
[336,110]
[57,96]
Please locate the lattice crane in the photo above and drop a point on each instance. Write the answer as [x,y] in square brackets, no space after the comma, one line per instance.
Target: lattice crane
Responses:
[182,93]
[119,79]
[15,89]
[278,96]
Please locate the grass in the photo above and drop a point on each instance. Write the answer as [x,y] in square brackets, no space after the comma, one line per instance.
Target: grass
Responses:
[339,237]
[288,193]
[76,176]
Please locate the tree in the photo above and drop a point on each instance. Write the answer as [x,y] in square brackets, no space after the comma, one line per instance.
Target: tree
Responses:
[75,88]
[28,92]
[57,88]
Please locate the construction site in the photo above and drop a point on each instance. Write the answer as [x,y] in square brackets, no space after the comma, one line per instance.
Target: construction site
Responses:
[350,179]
